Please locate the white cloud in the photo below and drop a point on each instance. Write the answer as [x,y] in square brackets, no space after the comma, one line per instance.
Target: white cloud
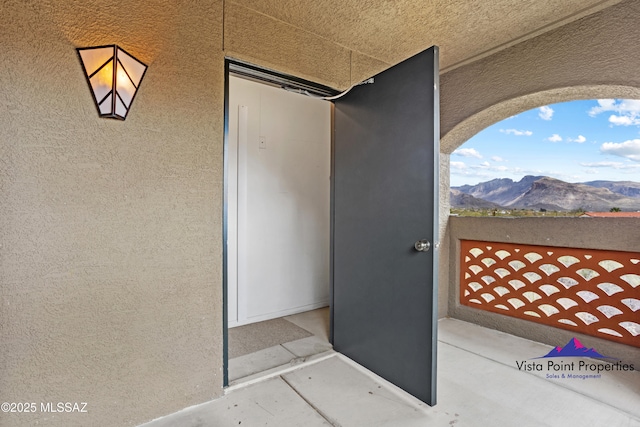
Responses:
[545,113]
[624,120]
[580,139]
[491,168]
[603,105]
[483,165]
[629,149]
[616,105]
[517,132]
[468,152]
[555,138]
[628,111]
[614,165]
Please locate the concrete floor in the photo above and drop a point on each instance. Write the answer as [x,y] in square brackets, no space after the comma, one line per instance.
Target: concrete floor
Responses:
[249,366]
[479,384]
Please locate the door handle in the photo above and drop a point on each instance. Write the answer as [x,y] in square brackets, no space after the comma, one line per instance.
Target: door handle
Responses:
[422,245]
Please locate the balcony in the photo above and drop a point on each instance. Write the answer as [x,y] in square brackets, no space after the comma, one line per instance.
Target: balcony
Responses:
[550,279]
[479,384]
[485,376]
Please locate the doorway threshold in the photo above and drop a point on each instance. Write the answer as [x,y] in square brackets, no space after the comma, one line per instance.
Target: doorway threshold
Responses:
[285,354]
[276,371]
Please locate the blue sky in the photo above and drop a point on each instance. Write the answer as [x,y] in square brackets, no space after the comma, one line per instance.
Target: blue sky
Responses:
[576,141]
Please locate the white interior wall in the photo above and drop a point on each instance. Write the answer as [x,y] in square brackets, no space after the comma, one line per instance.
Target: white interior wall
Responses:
[279,167]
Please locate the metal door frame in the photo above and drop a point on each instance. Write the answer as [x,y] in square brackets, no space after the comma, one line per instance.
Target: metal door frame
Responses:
[273,78]
[267,76]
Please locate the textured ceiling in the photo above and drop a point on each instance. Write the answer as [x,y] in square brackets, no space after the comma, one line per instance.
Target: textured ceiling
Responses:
[392,30]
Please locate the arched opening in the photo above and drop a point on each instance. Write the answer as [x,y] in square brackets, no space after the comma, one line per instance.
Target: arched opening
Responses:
[471,125]
[610,238]
[568,157]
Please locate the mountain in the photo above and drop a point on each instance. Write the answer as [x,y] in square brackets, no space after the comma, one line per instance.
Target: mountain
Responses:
[458,198]
[574,348]
[550,191]
[626,188]
[542,192]
[501,191]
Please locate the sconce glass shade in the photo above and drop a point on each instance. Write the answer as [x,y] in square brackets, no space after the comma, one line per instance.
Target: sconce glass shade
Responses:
[114,77]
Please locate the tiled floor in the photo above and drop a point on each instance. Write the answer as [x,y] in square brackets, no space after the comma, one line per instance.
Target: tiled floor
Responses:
[314,321]
[243,368]
[478,385]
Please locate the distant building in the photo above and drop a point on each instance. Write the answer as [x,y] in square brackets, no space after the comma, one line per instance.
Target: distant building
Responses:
[610,215]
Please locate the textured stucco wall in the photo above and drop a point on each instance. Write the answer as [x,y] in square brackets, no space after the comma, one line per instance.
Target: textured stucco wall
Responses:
[588,58]
[616,234]
[110,235]
[110,232]
[271,43]
[443,262]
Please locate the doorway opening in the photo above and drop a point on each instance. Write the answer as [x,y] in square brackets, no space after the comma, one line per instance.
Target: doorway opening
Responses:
[379,249]
[277,220]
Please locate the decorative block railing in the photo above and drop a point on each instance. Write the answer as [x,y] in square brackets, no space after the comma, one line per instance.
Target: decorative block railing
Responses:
[594,292]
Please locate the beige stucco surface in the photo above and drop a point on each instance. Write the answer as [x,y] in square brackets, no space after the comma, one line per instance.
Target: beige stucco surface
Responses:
[273,44]
[586,59]
[443,219]
[111,232]
[392,31]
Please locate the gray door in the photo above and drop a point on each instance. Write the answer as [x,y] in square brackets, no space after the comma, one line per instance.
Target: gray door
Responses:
[384,200]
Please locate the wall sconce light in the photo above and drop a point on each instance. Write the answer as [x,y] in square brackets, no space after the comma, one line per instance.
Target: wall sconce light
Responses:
[114,77]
